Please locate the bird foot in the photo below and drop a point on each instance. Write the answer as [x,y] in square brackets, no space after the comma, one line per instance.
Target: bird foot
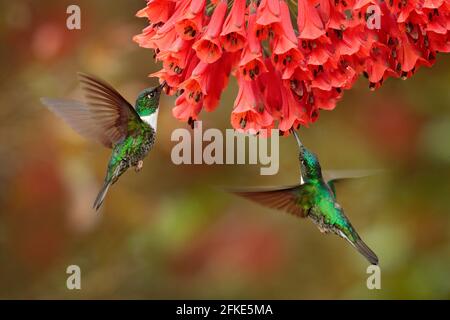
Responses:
[139,166]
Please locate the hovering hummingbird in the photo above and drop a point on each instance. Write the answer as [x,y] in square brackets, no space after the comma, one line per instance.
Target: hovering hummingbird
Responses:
[314,198]
[111,120]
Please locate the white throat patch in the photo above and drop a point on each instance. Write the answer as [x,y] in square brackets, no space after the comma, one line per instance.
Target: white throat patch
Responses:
[151,120]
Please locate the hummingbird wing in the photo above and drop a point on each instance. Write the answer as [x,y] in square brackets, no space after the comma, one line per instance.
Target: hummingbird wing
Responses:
[78,116]
[287,198]
[333,176]
[106,117]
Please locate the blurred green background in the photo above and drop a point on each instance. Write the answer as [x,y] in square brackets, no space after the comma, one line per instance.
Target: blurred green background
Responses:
[167,232]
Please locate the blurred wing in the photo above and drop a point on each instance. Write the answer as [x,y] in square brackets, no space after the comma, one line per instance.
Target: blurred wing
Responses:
[281,198]
[108,106]
[333,176]
[106,118]
[338,175]
[79,116]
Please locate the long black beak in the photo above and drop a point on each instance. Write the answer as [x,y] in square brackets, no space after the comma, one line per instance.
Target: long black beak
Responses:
[300,144]
[162,85]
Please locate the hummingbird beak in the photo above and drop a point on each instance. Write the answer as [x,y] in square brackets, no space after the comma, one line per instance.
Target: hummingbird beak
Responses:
[300,145]
[162,85]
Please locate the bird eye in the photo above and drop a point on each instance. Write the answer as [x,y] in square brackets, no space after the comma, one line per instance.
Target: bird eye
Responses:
[151,94]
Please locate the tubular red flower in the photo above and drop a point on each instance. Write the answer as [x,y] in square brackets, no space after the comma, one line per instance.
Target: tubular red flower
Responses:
[251,64]
[271,83]
[330,77]
[249,113]
[157,10]
[286,55]
[184,110]
[208,48]
[218,75]
[144,39]
[233,35]
[377,64]
[268,12]
[207,82]
[174,79]
[163,41]
[191,22]
[401,8]
[318,51]
[310,25]
[176,57]
[291,112]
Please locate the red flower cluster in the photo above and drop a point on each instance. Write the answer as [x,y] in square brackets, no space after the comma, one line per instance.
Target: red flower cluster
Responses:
[287,71]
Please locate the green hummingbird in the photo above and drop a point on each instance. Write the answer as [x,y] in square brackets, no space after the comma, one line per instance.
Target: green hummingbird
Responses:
[111,120]
[314,198]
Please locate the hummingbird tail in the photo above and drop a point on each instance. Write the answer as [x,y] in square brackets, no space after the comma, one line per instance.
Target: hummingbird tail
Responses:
[365,251]
[101,195]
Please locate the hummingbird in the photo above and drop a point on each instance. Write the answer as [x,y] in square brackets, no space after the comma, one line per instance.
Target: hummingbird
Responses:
[108,118]
[314,198]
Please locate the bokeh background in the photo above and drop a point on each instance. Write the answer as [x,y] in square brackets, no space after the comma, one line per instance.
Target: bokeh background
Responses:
[167,232]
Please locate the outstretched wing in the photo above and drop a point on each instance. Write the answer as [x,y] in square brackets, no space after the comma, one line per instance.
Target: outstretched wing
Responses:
[106,117]
[80,117]
[286,198]
[333,176]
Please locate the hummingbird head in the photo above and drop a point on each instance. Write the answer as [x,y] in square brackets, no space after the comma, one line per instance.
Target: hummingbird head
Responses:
[147,101]
[310,165]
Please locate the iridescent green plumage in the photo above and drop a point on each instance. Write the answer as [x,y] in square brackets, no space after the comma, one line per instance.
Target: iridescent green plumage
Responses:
[109,119]
[313,198]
